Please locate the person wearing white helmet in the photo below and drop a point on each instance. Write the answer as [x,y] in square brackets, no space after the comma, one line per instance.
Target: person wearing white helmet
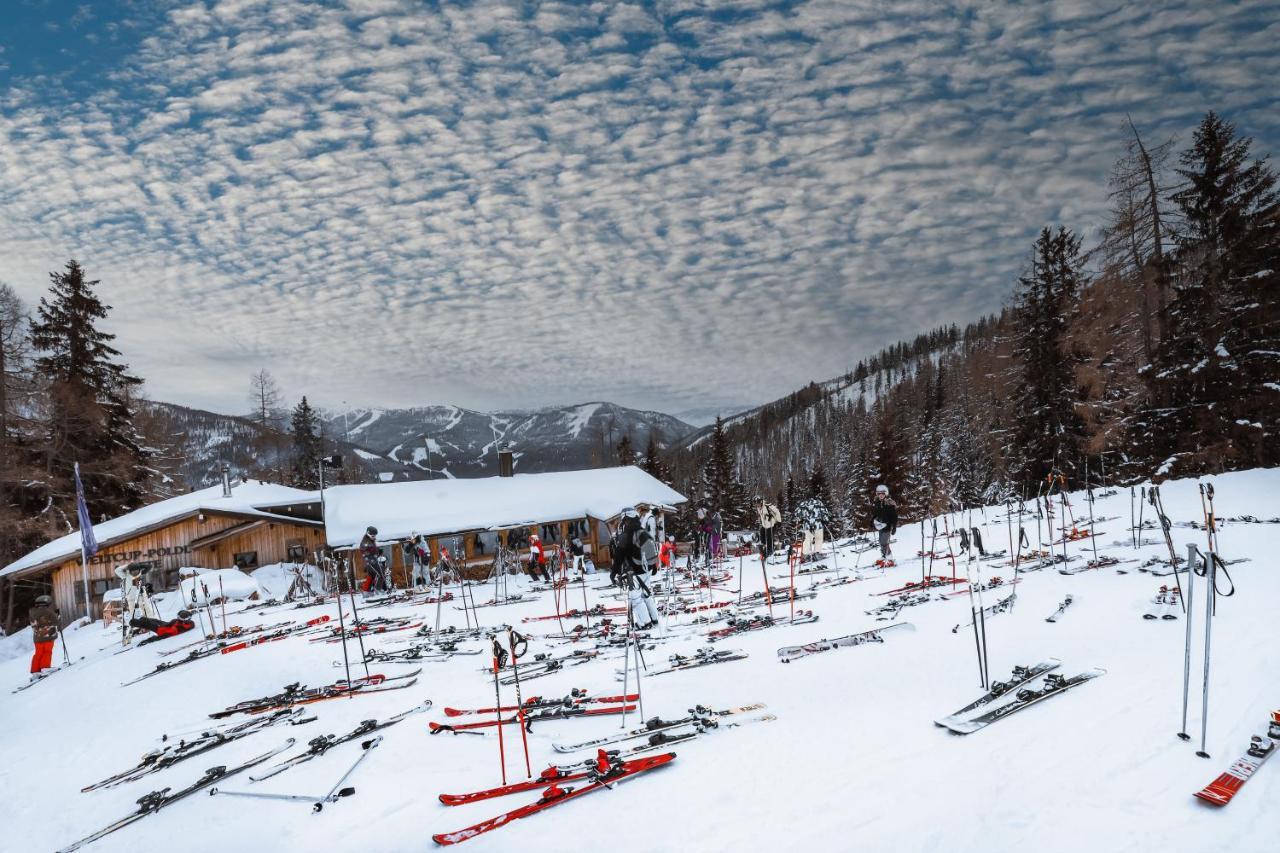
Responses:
[884,517]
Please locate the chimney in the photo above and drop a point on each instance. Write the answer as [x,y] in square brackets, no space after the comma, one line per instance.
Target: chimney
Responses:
[226,480]
[506,462]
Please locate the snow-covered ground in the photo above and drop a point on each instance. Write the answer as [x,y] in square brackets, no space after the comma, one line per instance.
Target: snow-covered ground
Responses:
[853,761]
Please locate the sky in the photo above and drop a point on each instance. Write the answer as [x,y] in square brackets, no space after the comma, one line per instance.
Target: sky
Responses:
[670,205]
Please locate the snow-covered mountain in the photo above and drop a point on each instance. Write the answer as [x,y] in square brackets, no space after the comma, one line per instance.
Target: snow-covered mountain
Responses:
[456,442]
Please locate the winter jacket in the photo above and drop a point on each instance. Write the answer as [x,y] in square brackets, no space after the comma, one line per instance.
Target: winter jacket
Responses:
[633,550]
[536,554]
[717,524]
[650,523]
[576,548]
[665,554]
[769,515]
[44,624]
[885,511]
[370,551]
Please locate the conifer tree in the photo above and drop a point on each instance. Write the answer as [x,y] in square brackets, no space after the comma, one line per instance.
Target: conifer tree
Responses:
[90,399]
[306,446]
[626,453]
[1049,429]
[1212,385]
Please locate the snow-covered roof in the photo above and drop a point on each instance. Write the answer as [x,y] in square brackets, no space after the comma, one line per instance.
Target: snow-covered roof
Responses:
[246,499]
[432,507]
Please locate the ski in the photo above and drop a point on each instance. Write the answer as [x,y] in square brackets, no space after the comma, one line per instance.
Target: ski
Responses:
[156,800]
[1220,791]
[1163,604]
[554,795]
[701,657]
[757,623]
[1062,608]
[916,586]
[170,755]
[296,694]
[654,725]
[41,677]
[559,713]
[665,740]
[165,666]
[1025,698]
[317,747]
[1021,675]
[1004,605]
[575,697]
[789,653]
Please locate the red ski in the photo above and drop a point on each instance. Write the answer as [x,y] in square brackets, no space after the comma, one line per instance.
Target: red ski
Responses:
[558,713]
[275,635]
[554,795]
[1220,791]
[547,777]
[927,583]
[578,614]
[537,702]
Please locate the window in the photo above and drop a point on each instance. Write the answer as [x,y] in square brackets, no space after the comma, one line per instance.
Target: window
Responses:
[246,560]
[295,551]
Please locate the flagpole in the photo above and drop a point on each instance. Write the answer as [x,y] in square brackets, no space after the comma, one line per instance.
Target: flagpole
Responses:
[84,554]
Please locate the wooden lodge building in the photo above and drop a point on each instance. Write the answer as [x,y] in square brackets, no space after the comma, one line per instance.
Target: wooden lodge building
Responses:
[471,517]
[252,524]
[245,524]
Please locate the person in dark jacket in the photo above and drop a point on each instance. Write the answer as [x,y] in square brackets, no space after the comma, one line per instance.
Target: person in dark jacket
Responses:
[884,517]
[172,628]
[634,555]
[44,631]
[374,568]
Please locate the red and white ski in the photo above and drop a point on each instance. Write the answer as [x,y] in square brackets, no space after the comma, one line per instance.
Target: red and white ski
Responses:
[1220,791]
[536,702]
[555,795]
[542,715]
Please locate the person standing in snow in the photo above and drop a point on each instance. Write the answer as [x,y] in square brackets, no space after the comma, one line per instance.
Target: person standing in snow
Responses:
[44,631]
[770,518]
[537,559]
[579,553]
[716,534]
[371,554]
[667,552]
[648,521]
[700,533]
[884,517]
[633,553]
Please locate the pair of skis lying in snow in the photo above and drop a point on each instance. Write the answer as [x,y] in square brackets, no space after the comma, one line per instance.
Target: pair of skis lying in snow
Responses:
[962,722]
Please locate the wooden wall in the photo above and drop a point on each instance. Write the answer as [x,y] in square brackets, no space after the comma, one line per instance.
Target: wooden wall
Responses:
[168,547]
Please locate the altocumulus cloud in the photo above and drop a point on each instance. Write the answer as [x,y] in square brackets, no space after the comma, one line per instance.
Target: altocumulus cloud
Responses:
[667,204]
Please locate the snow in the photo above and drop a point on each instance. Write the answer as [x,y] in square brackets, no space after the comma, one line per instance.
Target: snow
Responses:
[430,507]
[246,498]
[235,585]
[275,579]
[365,454]
[579,417]
[853,761]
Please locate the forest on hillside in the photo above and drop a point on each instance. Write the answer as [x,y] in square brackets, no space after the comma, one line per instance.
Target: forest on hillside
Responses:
[1153,350]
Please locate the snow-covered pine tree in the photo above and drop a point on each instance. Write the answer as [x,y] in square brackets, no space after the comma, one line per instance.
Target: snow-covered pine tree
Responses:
[90,401]
[1049,429]
[626,452]
[819,489]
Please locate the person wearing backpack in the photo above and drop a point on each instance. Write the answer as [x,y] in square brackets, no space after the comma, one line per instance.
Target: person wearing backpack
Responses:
[634,552]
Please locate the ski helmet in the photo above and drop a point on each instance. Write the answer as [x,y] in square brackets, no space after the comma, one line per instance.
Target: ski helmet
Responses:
[371,530]
[43,600]
[628,512]
[882,489]
[533,537]
[184,614]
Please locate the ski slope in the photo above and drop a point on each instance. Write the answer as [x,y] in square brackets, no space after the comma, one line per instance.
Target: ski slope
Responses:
[852,762]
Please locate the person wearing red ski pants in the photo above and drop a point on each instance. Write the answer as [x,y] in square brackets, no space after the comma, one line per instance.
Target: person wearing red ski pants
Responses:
[43,658]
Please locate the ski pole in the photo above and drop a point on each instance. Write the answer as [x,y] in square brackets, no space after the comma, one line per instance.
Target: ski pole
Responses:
[1210,571]
[1132,515]
[1192,553]
[222,594]
[1092,537]
[626,655]
[355,625]
[793,589]
[66,657]
[346,661]
[498,660]
[1166,526]
[519,645]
